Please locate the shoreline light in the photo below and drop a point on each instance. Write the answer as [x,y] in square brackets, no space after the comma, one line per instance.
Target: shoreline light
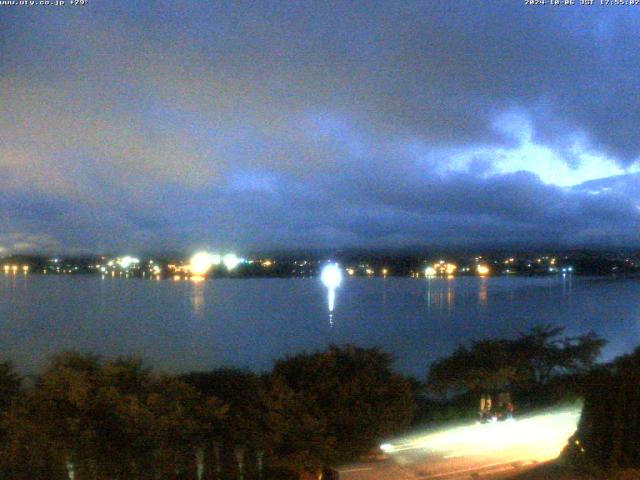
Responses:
[127,261]
[430,272]
[483,270]
[231,261]
[201,262]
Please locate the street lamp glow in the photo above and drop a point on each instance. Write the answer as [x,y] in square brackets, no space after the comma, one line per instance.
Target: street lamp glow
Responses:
[201,263]
[126,262]
[231,261]
[483,270]
[429,272]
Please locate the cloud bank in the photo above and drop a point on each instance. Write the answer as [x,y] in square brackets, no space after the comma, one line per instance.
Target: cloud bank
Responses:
[317,125]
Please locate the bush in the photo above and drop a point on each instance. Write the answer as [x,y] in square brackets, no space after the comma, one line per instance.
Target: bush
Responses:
[608,433]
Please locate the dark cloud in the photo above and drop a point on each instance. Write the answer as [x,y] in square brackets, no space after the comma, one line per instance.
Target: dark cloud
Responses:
[318,124]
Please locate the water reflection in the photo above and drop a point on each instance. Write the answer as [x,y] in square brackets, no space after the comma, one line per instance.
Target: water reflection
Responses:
[197,296]
[428,293]
[331,277]
[331,301]
[440,294]
[384,291]
[567,284]
[483,292]
[451,296]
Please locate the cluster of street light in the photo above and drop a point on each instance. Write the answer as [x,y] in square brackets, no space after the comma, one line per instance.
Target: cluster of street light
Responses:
[449,269]
[202,262]
[15,268]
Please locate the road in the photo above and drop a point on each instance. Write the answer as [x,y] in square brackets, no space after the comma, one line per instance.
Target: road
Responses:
[494,450]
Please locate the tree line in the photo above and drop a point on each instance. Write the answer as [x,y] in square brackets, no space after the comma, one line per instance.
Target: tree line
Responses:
[608,435]
[540,367]
[87,418]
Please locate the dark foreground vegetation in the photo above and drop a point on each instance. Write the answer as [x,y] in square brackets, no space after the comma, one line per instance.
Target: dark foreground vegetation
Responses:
[540,368]
[608,436]
[117,419]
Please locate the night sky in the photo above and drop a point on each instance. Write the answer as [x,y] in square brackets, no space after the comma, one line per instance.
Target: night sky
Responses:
[292,124]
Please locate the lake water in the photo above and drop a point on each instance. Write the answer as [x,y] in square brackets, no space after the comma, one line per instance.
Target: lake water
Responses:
[180,326]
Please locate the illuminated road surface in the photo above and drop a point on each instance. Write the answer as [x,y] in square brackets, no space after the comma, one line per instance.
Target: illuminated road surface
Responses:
[494,450]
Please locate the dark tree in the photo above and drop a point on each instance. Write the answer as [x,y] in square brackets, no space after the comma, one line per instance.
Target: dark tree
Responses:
[529,361]
[246,421]
[542,352]
[332,406]
[608,434]
[241,391]
[10,383]
[108,420]
[485,366]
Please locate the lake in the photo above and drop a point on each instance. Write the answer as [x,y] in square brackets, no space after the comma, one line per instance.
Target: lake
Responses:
[179,326]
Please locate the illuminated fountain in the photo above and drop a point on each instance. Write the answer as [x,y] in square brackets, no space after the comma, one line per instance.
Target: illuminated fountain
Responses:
[331,277]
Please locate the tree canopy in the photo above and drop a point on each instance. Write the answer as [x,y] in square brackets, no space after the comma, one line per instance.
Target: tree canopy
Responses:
[10,383]
[241,391]
[345,400]
[609,427]
[532,359]
[108,420]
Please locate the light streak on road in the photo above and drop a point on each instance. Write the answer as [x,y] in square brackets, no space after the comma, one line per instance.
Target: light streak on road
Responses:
[541,437]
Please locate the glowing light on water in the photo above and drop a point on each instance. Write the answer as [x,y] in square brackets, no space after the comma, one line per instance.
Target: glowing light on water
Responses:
[430,272]
[332,299]
[331,277]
